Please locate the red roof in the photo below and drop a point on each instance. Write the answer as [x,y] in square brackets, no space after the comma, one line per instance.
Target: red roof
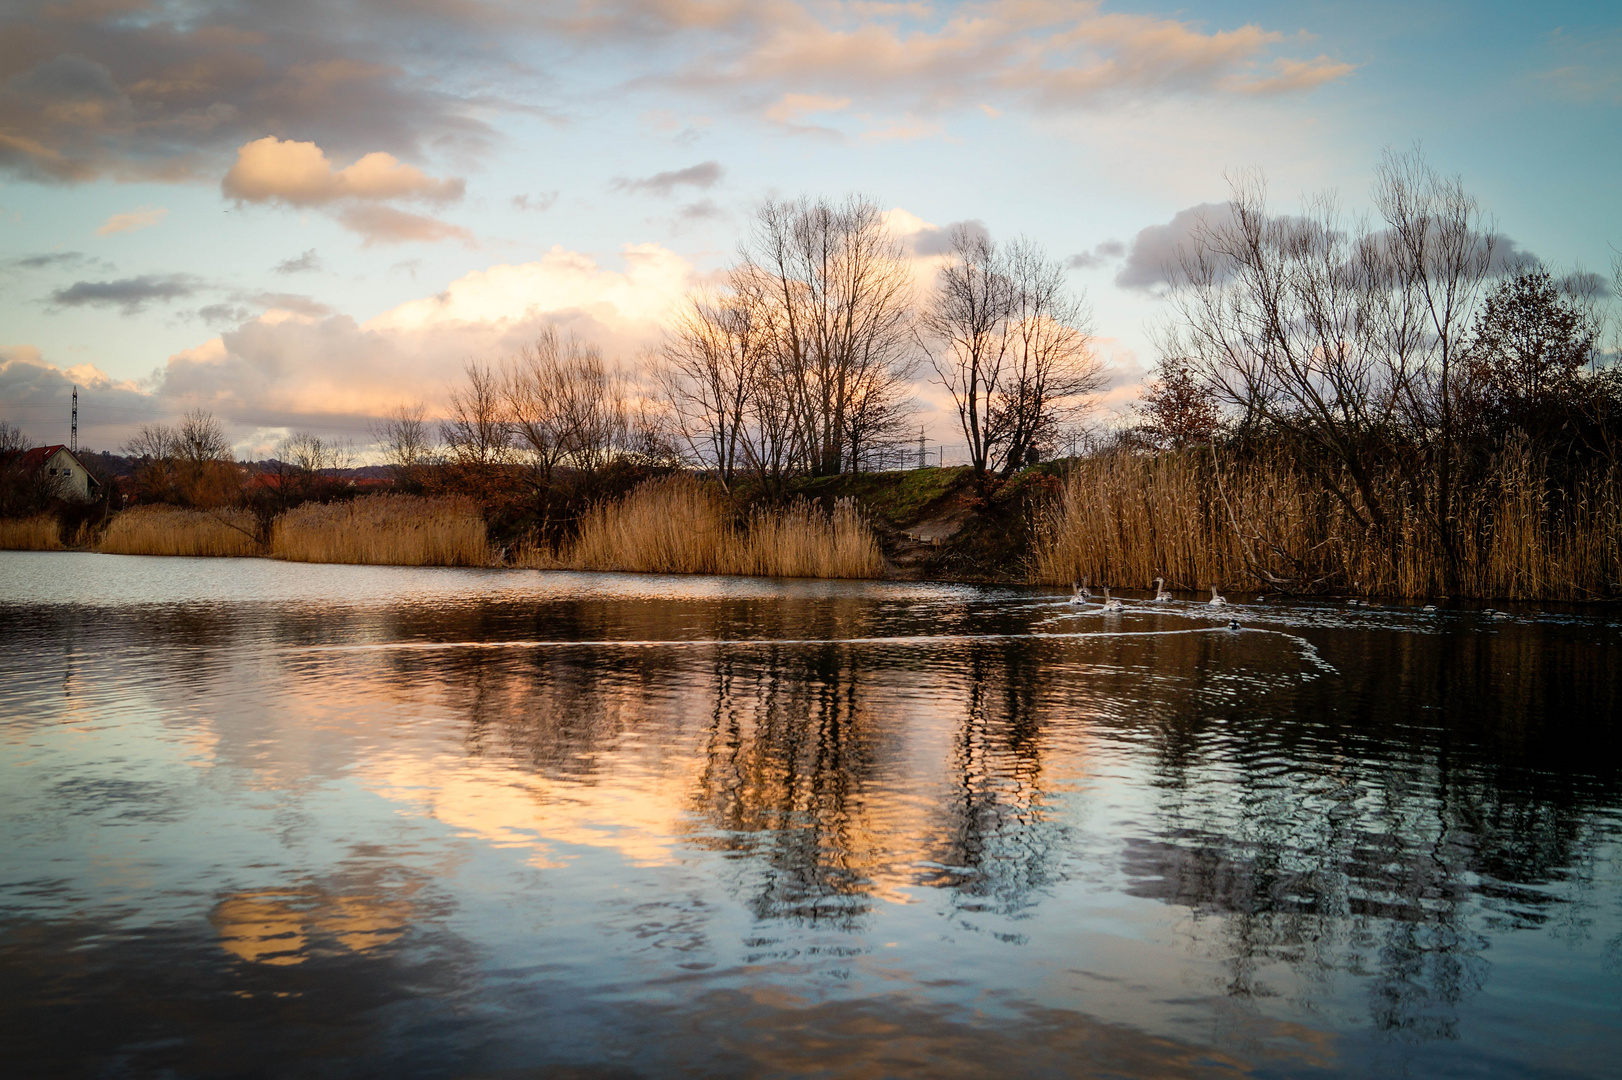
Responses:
[39,455]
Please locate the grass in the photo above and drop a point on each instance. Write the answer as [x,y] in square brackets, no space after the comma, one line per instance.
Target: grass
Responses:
[675,525]
[39,533]
[167,530]
[1125,519]
[387,530]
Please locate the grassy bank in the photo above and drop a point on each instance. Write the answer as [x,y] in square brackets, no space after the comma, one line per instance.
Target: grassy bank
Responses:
[385,530]
[1197,520]
[167,530]
[676,525]
[39,533]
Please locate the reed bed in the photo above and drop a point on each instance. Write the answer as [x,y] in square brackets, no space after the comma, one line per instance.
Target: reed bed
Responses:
[385,530]
[167,530]
[39,533]
[676,526]
[1197,520]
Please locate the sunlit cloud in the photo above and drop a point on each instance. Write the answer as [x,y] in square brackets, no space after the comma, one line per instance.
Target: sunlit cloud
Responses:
[299,174]
[134,220]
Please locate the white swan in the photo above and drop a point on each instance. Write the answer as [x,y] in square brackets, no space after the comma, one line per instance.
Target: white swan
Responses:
[1160,589]
[1078,595]
[1216,600]
[1110,603]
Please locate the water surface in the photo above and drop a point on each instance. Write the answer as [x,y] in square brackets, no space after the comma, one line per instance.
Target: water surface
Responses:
[287,820]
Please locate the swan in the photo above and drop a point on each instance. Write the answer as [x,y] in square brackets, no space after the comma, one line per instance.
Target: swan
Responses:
[1078,594]
[1160,589]
[1110,603]
[1085,591]
[1216,600]
[1430,607]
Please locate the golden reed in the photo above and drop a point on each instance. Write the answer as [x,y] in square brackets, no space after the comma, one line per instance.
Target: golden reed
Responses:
[675,525]
[1125,519]
[167,530]
[385,530]
[30,534]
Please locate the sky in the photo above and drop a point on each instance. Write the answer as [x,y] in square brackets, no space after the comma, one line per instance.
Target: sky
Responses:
[298,215]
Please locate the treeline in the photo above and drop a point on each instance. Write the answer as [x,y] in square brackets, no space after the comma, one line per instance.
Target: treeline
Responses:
[1380,407]
[1394,405]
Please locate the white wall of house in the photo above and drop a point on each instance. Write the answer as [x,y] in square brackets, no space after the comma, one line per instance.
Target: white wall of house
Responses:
[76,483]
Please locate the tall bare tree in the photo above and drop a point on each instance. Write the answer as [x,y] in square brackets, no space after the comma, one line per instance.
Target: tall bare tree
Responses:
[966,333]
[835,288]
[713,361]
[1009,341]
[1050,369]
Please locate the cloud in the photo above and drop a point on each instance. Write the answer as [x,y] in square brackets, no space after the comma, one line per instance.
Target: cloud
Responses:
[706,174]
[145,217]
[167,91]
[49,259]
[1587,67]
[299,174]
[157,91]
[129,295]
[1101,254]
[386,225]
[923,239]
[539,203]
[40,392]
[1153,253]
[299,366]
[1056,57]
[306,263]
[271,170]
[702,210]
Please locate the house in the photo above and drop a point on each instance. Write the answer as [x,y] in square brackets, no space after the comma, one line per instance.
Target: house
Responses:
[74,480]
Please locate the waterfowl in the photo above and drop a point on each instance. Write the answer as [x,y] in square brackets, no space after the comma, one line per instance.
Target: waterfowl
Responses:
[1160,589]
[1076,594]
[1085,591]
[1233,624]
[1110,603]
[1216,600]
[1430,607]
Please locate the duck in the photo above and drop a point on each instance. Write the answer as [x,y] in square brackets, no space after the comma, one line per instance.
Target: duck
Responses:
[1233,624]
[1216,600]
[1110,603]
[1160,590]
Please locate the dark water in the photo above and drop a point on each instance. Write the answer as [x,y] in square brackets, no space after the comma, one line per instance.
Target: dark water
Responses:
[270,820]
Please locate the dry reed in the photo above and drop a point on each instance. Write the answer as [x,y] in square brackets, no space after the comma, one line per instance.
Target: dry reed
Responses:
[166,530]
[39,533]
[1125,519]
[386,530]
[676,526]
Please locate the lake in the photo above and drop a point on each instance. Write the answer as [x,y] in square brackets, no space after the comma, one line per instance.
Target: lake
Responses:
[269,819]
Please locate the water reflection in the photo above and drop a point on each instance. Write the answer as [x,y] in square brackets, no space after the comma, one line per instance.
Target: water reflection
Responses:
[777,828]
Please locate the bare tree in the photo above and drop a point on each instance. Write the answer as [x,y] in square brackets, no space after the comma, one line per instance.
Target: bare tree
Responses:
[406,443]
[966,333]
[1009,341]
[713,361]
[834,287]
[477,433]
[1050,368]
[190,463]
[566,406]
